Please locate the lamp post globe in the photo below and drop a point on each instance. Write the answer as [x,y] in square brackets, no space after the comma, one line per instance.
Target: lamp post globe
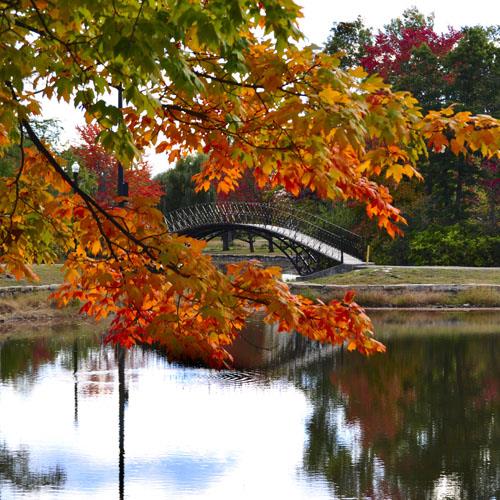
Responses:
[75,168]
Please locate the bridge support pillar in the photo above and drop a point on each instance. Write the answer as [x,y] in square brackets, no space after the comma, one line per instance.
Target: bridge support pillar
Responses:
[225,241]
[250,243]
[270,245]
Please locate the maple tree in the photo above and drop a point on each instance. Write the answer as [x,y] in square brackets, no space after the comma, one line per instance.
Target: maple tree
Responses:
[101,163]
[221,77]
[390,52]
[407,52]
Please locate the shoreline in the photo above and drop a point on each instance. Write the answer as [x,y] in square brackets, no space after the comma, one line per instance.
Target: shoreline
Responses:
[19,289]
[409,296]
[29,304]
[434,309]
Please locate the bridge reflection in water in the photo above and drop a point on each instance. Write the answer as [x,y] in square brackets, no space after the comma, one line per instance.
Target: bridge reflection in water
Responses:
[309,242]
[261,346]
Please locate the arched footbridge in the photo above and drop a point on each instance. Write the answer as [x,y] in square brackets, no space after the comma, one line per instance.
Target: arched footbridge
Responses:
[310,243]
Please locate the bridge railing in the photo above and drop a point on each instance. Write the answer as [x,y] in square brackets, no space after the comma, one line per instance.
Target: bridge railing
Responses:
[266,214]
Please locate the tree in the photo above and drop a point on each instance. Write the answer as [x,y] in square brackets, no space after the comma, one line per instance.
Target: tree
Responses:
[178,185]
[440,69]
[475,66]
[350,39]
[198,76]
[460,68]
[412,56]
[105,169]
[393,402]
[49,130]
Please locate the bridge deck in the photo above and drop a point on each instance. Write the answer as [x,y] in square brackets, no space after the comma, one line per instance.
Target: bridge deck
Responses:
[313,243]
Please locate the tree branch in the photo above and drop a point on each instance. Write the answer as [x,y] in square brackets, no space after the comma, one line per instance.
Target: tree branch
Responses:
[96,209]
[88,199]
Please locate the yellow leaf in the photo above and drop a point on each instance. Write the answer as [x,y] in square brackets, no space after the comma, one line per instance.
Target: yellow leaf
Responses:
[397,171]
[447,111]
[455,147]
[351,346]
[358,72]
[72,275]
[332,97]
[95,248]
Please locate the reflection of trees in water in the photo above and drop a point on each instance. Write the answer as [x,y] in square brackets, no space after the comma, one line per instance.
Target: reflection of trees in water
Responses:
[427,408]
[22,359]
[15,469]
[389,426]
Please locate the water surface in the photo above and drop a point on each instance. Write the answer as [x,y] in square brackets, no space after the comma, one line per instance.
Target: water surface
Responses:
[296,420]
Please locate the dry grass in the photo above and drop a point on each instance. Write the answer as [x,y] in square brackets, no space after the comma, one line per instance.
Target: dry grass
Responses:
[36,301]
[479,297]
[387,275]
[33,308]
[437,322]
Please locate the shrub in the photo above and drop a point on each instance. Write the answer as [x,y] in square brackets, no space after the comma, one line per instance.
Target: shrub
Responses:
[461,245]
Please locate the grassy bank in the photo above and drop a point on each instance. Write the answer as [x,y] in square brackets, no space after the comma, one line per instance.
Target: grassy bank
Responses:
[34,310]
[376,275]
[49,274]
[394,275]
[474,297]
[28,307]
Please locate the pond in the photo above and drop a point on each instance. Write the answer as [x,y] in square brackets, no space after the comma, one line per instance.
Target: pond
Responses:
[296,420]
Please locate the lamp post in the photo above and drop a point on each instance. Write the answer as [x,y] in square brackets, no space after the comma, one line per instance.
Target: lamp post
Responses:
[75,168]
[122,186]
[122,190]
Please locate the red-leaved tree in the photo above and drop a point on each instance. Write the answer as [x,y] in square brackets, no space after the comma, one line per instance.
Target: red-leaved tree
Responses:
[392,50]
[95,158]
[247,190]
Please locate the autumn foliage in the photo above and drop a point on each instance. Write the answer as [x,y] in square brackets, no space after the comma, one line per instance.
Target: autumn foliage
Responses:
[102,164]
[390,51]
[197,77]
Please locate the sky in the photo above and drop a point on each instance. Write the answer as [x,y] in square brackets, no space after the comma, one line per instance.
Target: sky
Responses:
[319,15]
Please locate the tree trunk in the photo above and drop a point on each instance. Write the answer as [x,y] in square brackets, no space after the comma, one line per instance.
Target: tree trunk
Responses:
[459,192]
[492,208]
